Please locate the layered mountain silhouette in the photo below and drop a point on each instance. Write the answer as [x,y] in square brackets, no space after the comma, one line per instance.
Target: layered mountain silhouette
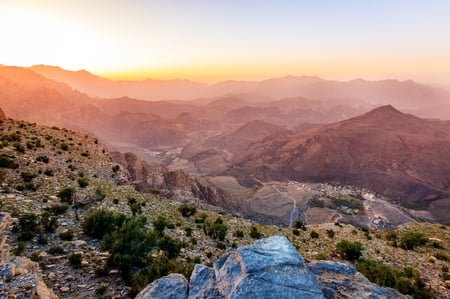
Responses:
[407,95]
[253,138]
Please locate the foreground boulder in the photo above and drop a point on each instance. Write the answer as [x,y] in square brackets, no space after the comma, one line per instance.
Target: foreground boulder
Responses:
[270,268]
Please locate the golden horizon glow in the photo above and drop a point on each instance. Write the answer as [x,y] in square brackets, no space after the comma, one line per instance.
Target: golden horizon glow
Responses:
[233,40]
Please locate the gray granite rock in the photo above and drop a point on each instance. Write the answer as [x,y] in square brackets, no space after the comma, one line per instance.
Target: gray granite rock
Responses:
[203,283]
[173,286]
[270,268]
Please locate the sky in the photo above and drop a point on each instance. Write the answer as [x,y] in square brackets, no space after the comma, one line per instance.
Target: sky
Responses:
[209,41]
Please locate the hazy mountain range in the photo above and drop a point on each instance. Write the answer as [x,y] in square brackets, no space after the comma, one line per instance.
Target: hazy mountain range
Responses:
[291,128]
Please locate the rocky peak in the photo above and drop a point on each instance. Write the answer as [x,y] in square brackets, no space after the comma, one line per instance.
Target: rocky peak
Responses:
[270,268]
[2,114]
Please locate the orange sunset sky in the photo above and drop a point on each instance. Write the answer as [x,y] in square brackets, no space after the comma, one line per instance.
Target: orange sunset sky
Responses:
[216,40]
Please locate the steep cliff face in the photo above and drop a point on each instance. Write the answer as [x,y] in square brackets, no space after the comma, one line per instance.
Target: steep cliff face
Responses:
[174,184]
[270,268]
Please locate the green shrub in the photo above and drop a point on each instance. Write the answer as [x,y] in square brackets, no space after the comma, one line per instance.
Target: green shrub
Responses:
[187,210]
[20,248]
[314,234]
[27,176]
[66,236]
[188,231]
[255,233]
[8,162]
[19,147]
[238,234]
[135,206]
[48,222]
[159,224]
[216,230]
[406,280]
[330,233]
[57,209]
[129,245]
[28,223]
[83,182]
[56,250]
[36,257]
[411,239]
[170,246]
[64,146]
[349,250]
[43,159]
[66,194]
[221,245]
[100,222]
[75,259]
[49,172]
[299,225]
[115,168]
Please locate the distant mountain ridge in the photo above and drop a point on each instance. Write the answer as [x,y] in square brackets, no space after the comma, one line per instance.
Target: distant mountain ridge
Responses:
[403,94]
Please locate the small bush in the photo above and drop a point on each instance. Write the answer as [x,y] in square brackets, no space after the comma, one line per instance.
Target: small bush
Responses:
[238,234]
[299,225]
[98,223]
[56,250]
[314,234]
[159,224]
[36,257]
[57,209]
[20,248]
[330,233]
[187,210]
[216,230]
[349,250]
[75,259]
[8,162]
[66,236]
[43,159]
[221,245]
[255,233]
[19,147]
[83,182]
[64,146]
[411,239]
[49,172]
[66,194]
[27,176]
[170,246]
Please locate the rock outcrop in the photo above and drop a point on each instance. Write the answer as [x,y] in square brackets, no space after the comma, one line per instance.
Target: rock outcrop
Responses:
[173,286]
[19,276]
[270,268]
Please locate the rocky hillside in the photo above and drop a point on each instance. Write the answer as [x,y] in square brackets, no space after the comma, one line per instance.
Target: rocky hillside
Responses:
[54,180]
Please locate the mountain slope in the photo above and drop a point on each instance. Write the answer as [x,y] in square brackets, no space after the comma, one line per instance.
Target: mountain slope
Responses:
[399,155]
